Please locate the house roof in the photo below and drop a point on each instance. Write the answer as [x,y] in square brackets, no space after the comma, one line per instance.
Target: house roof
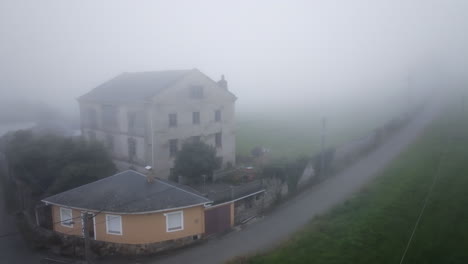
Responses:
[135,86]
[128,192]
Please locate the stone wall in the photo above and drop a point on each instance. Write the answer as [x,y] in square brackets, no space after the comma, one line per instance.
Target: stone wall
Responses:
[248,208]
[107,249]
[275,190]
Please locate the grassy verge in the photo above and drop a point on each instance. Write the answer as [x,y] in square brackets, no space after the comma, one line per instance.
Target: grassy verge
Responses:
[375,225]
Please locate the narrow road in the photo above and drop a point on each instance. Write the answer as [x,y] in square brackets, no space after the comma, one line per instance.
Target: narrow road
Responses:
[294,214]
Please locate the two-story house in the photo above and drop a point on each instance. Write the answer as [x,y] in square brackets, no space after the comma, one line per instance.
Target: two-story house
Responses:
[143,118]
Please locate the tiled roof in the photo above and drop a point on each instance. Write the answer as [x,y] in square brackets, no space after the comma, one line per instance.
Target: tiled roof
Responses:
[128,192]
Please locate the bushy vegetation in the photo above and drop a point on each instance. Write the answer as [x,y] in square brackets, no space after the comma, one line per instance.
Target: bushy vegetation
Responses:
[196,159]
[51,164]
[287,171]
[375,225]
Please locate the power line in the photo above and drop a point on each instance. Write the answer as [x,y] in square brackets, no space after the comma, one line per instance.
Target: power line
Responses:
[426,200]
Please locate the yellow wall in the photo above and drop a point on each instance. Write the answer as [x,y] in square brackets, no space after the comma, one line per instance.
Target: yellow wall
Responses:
[77,225]
[140,228]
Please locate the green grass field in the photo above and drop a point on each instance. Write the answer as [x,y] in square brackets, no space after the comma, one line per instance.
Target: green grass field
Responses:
[294,132]
[374,226]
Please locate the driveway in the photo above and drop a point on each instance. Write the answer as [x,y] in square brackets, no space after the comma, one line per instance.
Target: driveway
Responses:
[295,213]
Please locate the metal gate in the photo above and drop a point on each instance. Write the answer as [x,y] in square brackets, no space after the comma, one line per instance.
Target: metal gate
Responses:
[218,219]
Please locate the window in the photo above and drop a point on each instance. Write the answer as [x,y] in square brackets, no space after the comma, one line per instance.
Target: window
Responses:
[92,118]
[110,142]
[218,116]
[132,147]
[109,116]
[172,147]
[196,92]
[196,118]
[172,120]
[131,120]
[114,224]
[218,140]
[66,217]
[174,221]
[136,123]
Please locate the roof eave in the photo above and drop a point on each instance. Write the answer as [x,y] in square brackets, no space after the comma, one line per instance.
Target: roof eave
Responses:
[128,213]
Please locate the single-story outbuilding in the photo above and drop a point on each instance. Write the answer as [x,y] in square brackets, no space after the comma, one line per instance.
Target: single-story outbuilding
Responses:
[130,208]
[231,205]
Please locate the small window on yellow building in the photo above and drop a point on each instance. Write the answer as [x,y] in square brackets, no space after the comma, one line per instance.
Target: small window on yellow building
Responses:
[66,217]
[114,224]
[174,221]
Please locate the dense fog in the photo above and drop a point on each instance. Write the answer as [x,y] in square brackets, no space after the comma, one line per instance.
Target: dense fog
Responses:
[321,55]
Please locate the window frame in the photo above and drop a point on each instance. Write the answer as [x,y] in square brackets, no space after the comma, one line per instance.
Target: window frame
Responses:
[132,147]
[131,120]
[181,222]
[218,116]
[109,116]
[197,92]
[173,120]
[196,121]
[62,221]
[92,118]
[107,225]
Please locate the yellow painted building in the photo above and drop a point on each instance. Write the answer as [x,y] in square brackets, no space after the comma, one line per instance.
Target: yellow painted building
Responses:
[128,208]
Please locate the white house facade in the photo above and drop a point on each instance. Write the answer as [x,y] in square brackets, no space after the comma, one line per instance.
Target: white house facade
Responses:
[144,118]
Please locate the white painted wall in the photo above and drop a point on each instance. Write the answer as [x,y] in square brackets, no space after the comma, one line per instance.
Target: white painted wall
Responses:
[175,99]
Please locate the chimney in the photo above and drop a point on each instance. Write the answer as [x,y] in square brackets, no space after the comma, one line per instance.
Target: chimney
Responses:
[150,175]
[223,83]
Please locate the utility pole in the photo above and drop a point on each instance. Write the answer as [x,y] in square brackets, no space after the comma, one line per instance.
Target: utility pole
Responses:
[410,82]
[322,161]
[463,104]
[87,250]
